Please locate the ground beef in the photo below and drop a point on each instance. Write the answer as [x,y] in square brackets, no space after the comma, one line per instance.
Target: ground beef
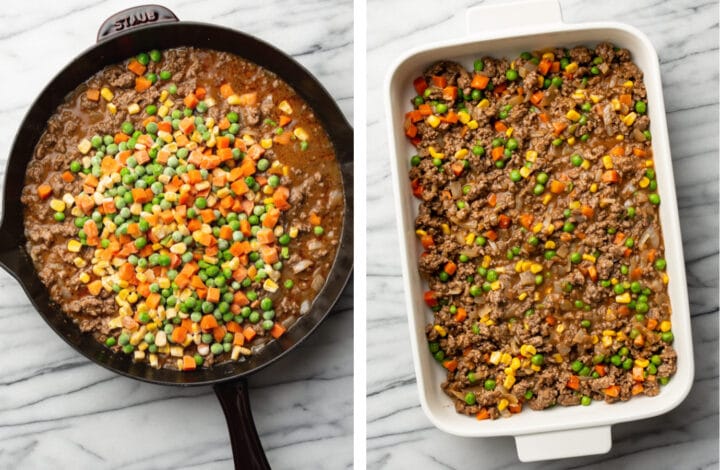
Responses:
[538,218]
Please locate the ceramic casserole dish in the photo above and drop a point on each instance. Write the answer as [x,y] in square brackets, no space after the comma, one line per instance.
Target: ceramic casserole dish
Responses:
[501,31]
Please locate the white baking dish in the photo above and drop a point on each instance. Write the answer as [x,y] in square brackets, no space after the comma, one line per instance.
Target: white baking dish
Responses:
[506,30]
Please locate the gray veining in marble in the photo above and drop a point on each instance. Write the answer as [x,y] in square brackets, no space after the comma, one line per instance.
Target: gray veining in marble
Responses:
[685,34]
[57,409]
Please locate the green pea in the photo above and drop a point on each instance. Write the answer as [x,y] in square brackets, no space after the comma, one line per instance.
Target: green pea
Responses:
[511,75]
[151,109]
[575,257]
[538,359]
[110,342]
[165,75]
[470,398]
[654,198]
[585,400]
[478,65]
[577,366]
[489,385]
[640,107]
[318,230]
[542,178]
[538,189]
[667,337]
[576,160]
[475,290]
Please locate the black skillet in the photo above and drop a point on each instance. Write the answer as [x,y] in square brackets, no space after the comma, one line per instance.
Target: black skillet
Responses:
[123,35]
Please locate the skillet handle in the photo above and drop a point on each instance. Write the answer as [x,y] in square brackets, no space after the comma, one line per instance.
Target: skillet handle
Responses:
[248,453]
[134,17]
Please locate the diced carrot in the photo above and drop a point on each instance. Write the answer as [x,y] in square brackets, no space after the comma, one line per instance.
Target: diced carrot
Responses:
[95,287]
[439,81]
[280,198]
[601,369]
[573,382]
[504,221]
[284,120]
[626,99]
[639,152]
[557,187]
[652,323]
[461,315]
[248,99]
[265,236]
[213,295]
[136,67]
[249,333]
[450,365]
[450,93]
[558,127]
[226,90]
[492,199]
[153,300]
[420,85]
[93,94]
[612,391]
[526,220]
[618,151]
[191,101]
[610,176]
[587,211]
[68,177]
[544,66]
[219,333]
[592,272]
[44,191]
[142,84]
[544,117]
[450,267]
[188,363]
[497,153]
[537,97]
[491,235]
[550,320]
[637,389]
[179,334]
[479,82]
[277,330]
[425,109]
[500,127]
[483,414]
[638,374]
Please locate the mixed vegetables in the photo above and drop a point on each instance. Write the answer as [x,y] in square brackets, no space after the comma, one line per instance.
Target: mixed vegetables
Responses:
[184,217]
[540,231]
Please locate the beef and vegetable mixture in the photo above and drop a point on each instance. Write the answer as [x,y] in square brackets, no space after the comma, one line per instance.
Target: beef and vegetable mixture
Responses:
[183,206]
[539,224]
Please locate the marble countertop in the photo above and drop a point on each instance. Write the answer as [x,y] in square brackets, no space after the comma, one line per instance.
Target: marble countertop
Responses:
[685,34]
[57,409]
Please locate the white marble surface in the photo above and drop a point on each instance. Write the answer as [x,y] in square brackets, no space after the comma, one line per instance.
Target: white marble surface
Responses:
[58,410]
[685,34]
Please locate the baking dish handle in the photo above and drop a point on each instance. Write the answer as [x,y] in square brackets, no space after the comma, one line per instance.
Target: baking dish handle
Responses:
[134,17]
[512,15]
[563,444]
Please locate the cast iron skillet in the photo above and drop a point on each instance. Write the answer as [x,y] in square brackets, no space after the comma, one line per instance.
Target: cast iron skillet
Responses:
[123,35]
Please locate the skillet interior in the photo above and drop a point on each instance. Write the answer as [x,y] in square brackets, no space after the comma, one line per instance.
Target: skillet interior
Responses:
[162,36]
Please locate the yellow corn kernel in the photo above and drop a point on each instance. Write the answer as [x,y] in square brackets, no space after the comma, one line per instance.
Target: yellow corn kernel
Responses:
[644,182]
[445,228]
[629,119]
[609,333]
[506,359]
[270,286]
[525,172]
[615,104]
[536,268]
[535,368]
[531,155]
[648,163]
[152,326]
[420,232]
[440,330]
[84,146]
[518,266]
[163,111]
[143,346]
[266,143]
[620,137]
[285,107]
[164,283]
[560,328]
[607,162]
[106,94]
[57,205]
[134,108]
[522,296]
[549,245]
[547,198]
[595,98]
[74,246]
[79,262]
[548,56]
[132,297]
[623,299]
[642,362]
[293,232]
[460,154]
[537,227]
[628,84]
[607,341]
[571,141]
[495,285]
[300,133]
[614,281]
[486,261]
[472,124]
[557,357]
[665,326]
[585,165]
[665,278]
[515,364]
[434,153]
[502,404]
[84,278]
[484,103]
[573,115]
[112,109]
[528,350]
[495,357]
[621,337]
[550,229]
[593,188]
[433,120]
[526,265]
[509,132]
[571,67]
[463,117]
[574,205]
[509,382]
[579,94]
[588,257]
